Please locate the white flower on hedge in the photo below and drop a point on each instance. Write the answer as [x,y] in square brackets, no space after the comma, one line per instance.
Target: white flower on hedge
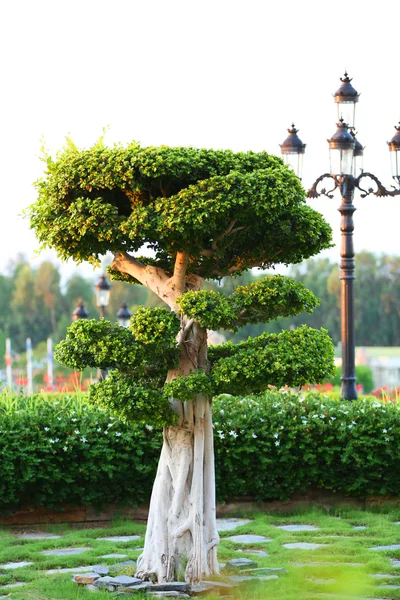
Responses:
[301,399]
[233,433]
[77,431]
[65,448]
[59,418]
[333,418]
[110,424]
[221,435]
[349,426]
[354,422]
[387,439]
[46,428]
[118,434]
[276,435]
[277,443]
[384,430]
[253,435]
[149,427]
[222,411]
[322,416]
[74,420]
[84,440]
[52,441]
[99,429]
[106,432]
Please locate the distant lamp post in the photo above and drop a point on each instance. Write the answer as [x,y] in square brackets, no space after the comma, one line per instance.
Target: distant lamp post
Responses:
[102,295]
[124,315]
[80,312]
[293,150]
[346,173]
[394,148]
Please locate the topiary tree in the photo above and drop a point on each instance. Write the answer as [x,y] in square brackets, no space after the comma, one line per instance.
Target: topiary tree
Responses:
[205,215]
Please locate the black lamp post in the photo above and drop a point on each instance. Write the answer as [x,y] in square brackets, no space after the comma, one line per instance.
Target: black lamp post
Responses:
[124,315]
[102,295]
[80,312]
[346,172]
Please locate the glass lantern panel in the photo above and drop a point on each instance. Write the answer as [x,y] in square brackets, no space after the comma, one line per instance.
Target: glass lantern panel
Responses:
[346,111]
[341,161]
[395,160]
[103,297]
[357,165]
[295,162]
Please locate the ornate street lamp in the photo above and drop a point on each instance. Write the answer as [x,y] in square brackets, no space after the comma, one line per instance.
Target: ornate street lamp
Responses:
[80,312]
[124,315]
[394,147]
[346,98]
[293,150]
[346,154]
[102,295]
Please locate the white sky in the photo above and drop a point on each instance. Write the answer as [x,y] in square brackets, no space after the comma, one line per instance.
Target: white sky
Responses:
[218,74]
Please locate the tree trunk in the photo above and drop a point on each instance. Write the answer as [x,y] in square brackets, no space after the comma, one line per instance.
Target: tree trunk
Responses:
[181,538]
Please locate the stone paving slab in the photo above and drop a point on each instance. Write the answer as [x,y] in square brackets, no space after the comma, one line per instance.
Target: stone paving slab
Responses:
[240,563]
[298,527]
[65,551]
[229,524]
[70,570]
[259,553]
[119,538]
[303,546]
[384,548]
[243,578]
[16,565]
[13,585]
[38,536]
[383,576]
[359,527]
[249,539]
[395,563]
[113,555]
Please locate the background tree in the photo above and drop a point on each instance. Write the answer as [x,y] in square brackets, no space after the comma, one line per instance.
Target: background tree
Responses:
[205,214]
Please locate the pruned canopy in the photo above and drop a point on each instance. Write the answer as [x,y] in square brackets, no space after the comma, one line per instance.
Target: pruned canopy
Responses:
[228,211]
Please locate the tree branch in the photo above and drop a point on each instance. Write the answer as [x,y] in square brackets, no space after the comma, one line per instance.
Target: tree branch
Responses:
[153,278]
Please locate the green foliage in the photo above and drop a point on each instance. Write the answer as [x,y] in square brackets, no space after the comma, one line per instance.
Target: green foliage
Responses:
[64,451]
[185,388]
[107,345]
[156,326]
[229,211]
[290,358]
[261,301]
[120,395]
[67,452]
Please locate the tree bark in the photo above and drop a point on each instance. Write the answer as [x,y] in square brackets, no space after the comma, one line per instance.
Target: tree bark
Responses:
[181,538]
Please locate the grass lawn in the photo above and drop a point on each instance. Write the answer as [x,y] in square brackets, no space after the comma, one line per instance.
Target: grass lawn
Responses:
[342,567]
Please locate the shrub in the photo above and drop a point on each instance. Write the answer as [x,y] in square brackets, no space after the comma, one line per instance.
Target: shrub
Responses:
[65,451]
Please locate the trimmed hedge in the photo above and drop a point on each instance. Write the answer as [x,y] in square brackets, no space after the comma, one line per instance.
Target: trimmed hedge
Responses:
[55,452]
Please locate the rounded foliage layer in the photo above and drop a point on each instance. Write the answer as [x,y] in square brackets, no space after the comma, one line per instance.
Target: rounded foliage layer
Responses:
[228,211]
[273,297]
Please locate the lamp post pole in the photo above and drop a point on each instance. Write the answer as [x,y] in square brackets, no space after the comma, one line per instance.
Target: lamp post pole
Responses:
[347,174]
